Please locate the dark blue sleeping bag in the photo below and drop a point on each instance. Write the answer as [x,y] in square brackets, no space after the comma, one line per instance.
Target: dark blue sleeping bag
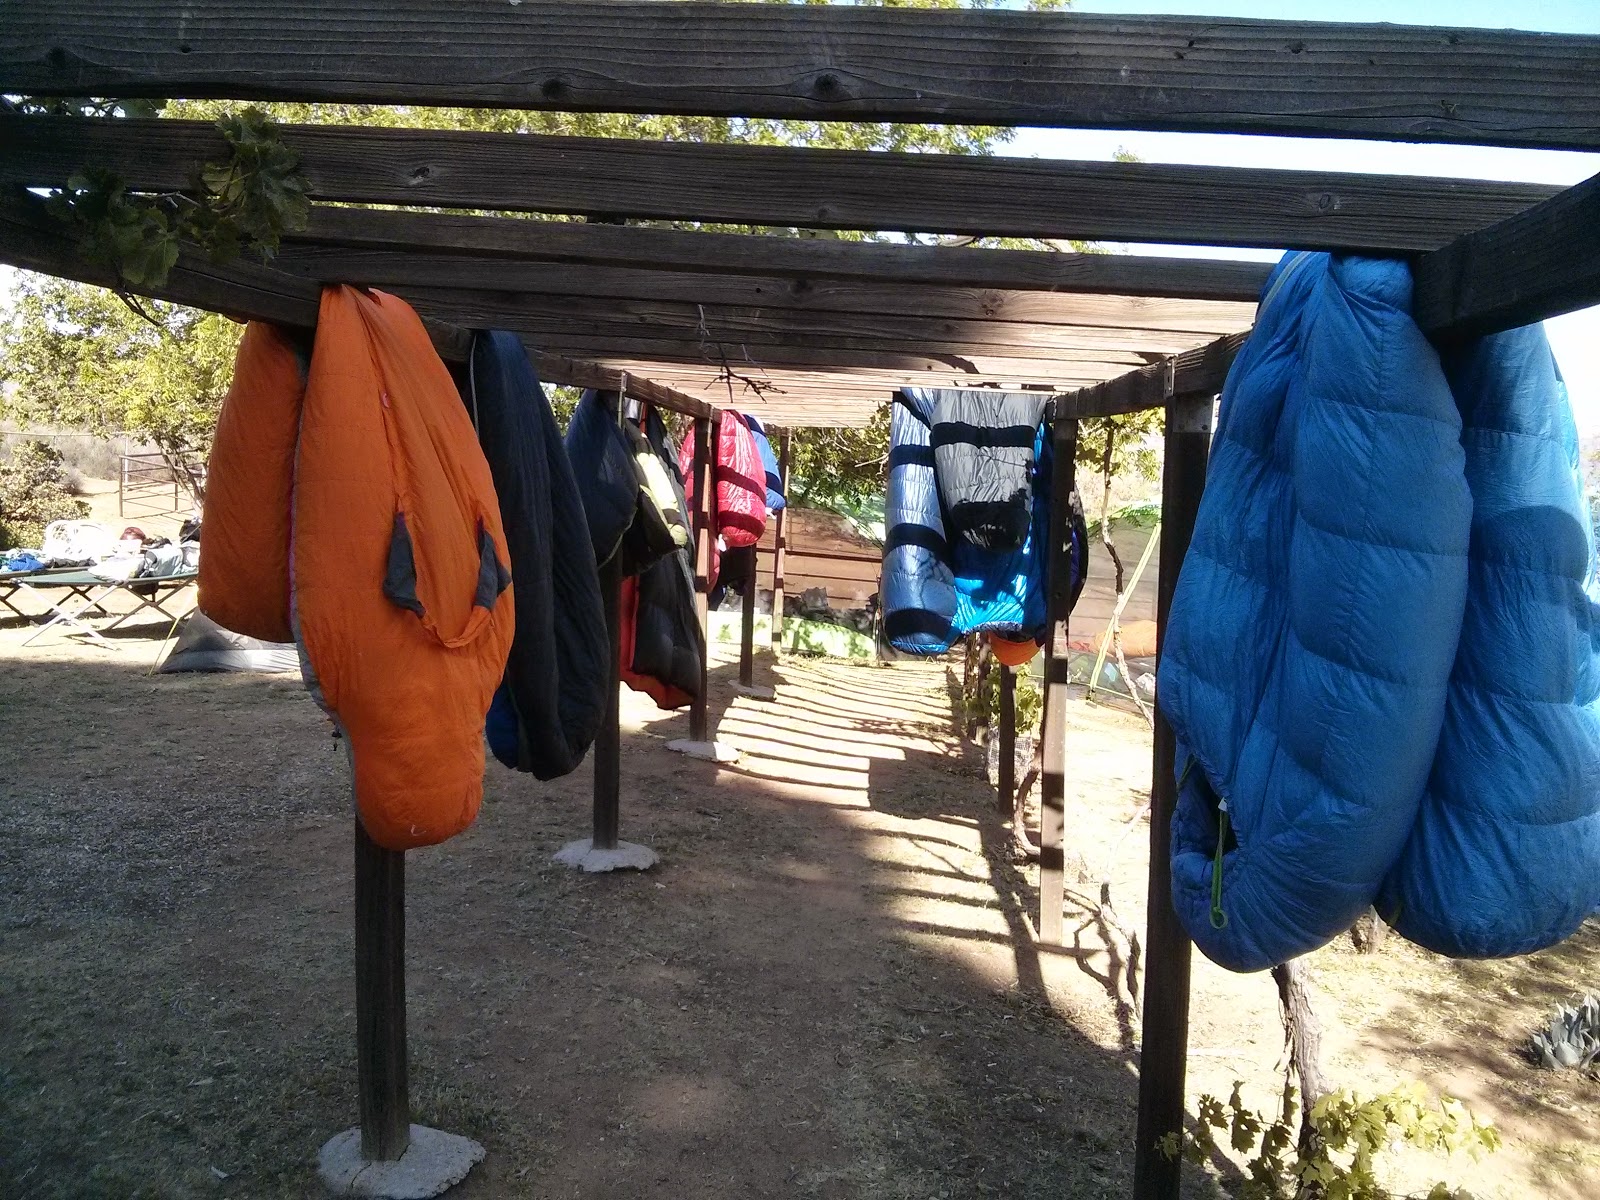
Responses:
[548,707]
[1505,854]
[919,592]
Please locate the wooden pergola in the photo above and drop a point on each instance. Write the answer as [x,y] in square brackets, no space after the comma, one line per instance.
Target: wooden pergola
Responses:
[820,331]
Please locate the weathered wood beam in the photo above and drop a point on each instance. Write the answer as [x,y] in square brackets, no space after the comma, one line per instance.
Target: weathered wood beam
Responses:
[819,63]
[642,248]
[778,185]
[30,239]
[732,326]
[1200,372]
[402,269]
[977,370]
[1538,264]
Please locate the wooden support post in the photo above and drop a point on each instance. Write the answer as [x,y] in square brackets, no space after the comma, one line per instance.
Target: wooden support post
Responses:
[608,739]
[704,506]
[980,694]
[1053,781]
[1007,790]
[780,541]
[747,628]
[1163,1055]
[384,1102]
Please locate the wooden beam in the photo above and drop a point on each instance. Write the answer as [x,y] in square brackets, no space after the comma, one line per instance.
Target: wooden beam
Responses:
[1538,264]
[1164,1048]
[32,240]
[809,294]
[779,185]
[979,369]
[643,248]
[826,63]
[1195,374]
[1053,722]
[705,326]
[704,508]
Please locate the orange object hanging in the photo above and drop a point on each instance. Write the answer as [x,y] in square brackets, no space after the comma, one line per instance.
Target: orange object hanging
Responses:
[402,593]
[1010,652]
[244,569]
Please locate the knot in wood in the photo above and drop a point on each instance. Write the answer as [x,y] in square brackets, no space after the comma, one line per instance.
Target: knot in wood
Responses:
[1327,202]
[827,85]
[421,174]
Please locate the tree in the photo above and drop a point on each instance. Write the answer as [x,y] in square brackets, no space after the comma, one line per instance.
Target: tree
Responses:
[77,356]
[33,492]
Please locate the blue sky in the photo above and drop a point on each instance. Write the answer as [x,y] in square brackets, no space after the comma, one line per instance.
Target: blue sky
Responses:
[1576,337]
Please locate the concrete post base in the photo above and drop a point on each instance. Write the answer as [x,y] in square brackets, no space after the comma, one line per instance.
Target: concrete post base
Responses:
[755,691]
[624,856]
[434,1162]
[719,752]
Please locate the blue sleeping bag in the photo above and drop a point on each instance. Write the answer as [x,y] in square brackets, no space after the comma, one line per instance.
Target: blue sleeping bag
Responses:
[769,463]
[918,585]
[1003,591]
[1314,626]
[1505,855]
[549,705]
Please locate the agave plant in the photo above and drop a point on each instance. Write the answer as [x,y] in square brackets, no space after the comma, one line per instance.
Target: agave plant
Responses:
[1573,1039]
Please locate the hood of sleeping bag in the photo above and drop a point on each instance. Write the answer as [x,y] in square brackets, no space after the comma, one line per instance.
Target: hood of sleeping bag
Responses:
[550,704]
[984,448]
[739,504]
[919,590]
[401,584]
[1504,857]
[1308,654]
[769,463]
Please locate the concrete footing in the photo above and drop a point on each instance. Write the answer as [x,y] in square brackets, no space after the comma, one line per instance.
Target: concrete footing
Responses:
[719,752]
[434,1162]
[624,856]
[755,691]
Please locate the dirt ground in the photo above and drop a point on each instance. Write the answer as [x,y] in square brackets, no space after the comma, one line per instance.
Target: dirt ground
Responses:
[827,990]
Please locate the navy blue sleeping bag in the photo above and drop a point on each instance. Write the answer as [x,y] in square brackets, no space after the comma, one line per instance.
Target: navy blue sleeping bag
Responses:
[1308,653]
[547,709]
[1505,854]
[919,592]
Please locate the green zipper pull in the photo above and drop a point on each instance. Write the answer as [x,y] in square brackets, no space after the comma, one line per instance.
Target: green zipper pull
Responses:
[1219,919]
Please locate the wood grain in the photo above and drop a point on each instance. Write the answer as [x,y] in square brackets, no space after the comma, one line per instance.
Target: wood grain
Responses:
[1538,264]
[825,63]
[645,248]
[785,186]
[814,294]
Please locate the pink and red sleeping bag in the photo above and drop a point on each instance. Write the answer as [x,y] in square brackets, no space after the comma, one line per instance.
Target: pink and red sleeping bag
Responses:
[739,502]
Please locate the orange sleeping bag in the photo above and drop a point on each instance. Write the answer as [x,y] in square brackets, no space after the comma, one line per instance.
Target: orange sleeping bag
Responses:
[244,571]
[400,590]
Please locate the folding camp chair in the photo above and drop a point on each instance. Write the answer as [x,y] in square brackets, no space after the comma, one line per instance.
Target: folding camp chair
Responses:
[86,593]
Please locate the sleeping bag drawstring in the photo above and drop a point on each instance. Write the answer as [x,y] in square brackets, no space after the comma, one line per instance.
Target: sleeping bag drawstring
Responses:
[1219,919]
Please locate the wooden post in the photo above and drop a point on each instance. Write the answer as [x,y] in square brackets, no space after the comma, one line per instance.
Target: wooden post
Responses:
[1163,1056]
[1007,790]
[608,738]
[384,1102]
[747,627]
[704,506]
[1053,781]
[986,663]
[780,541]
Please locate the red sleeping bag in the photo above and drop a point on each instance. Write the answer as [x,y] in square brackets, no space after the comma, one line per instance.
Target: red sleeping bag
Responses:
[739,503]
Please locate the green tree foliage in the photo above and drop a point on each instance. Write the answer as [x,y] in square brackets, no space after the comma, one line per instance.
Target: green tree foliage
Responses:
[77,356]
[33,492]
[839,468]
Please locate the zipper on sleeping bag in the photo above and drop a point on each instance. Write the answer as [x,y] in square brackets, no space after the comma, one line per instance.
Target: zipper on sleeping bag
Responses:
[1219,919]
